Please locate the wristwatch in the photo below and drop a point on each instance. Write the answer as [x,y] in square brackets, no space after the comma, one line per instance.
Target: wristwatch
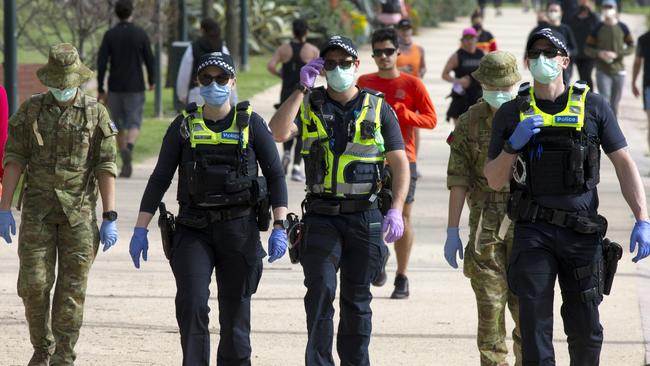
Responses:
[109,215]
[507,147]
[303,89]
[284,223]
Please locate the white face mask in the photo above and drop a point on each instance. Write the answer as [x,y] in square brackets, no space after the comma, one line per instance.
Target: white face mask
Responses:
[609,13]
[554,15]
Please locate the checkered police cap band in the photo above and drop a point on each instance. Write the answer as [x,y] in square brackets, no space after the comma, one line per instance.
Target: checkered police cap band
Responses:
[555,38]
[218,59]
[343,43]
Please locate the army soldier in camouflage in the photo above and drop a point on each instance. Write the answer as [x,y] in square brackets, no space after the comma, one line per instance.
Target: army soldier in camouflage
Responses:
[64,143]
[491,233]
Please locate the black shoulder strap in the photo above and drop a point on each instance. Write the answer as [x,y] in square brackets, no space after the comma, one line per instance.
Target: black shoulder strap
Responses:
[372,92]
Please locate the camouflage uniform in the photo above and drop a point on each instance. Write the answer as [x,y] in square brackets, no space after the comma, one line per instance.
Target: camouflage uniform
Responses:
[491,233]
[62,150]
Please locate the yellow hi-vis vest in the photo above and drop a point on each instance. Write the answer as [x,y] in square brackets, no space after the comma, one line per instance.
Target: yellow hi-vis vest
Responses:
[573,114]
[365,148]
[200,134]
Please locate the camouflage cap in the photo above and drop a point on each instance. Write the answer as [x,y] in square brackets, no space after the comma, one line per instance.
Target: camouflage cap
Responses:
[64,68]
[498,69]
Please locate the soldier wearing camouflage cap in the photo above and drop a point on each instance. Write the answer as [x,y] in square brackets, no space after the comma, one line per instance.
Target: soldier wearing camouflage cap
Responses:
[64,143]
[490,238]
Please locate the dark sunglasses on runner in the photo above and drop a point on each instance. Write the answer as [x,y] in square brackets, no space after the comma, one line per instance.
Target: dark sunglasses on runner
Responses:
[207,79]
[344,64]
[534,53]
[377,52]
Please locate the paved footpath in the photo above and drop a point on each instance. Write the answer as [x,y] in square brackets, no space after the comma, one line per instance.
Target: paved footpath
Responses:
[129,318]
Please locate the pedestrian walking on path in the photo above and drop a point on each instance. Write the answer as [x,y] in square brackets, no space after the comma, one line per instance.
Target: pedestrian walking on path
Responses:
[582,23]
[293,55]
[409,98]
[353,132]
[642,59]
[124,49]
[485,41]
[490,231]
[465,90]
[64,142]
[223,206]
[558,232]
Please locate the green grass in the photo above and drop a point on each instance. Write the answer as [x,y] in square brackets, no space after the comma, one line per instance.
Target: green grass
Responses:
[249,83]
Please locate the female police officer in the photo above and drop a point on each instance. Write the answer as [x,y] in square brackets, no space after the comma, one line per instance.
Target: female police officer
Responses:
[216,149]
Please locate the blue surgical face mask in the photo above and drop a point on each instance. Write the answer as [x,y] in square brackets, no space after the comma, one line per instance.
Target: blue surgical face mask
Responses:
[496,98]
[63,95]
[215,95]
[340,79]
[544,70]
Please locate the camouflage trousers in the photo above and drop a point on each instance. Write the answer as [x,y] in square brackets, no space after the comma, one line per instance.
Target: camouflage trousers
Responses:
[40,245]
[485,264]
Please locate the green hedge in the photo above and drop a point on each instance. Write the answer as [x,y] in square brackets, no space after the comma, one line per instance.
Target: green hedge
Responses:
[429,13]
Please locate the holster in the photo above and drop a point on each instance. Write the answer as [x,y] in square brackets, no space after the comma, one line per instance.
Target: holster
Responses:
[167,225]
[295,233]
[612,253]
[385,195]
[263,206]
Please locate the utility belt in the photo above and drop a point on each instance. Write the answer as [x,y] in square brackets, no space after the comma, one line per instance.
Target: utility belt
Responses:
[333,207]
[200,219]
[489,196]
[521,209]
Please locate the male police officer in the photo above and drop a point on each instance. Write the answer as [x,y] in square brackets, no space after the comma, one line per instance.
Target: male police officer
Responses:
[347,134]
[490,236]
[553,135]
[65,143]
[216,149]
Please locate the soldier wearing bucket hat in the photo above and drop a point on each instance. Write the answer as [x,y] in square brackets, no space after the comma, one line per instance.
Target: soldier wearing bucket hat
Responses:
[64,142]
[490,231]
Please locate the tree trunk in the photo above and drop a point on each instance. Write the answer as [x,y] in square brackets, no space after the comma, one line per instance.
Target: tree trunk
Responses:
[231,34]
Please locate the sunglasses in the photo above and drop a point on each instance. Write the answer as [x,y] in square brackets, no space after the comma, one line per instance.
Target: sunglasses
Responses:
[534,53]
[207,79]
[377,52]
[332,64]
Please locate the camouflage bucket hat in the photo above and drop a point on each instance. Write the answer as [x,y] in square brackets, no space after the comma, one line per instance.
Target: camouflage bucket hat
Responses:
[64,68]
[498,69]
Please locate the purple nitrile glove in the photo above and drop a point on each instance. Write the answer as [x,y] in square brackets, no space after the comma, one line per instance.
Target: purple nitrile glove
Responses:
[458,88]
[309,72]
[393,224]
[641,235]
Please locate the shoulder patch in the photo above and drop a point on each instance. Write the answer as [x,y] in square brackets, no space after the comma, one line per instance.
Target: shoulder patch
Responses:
[112,126]
[450,138]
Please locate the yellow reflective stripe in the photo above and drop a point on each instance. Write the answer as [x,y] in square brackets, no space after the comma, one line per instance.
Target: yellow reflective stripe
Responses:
[200,134]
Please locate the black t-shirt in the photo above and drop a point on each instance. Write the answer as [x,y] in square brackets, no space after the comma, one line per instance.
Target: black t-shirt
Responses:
[337,117]
[599,121]
[582,28]
[175,150]
[643,50]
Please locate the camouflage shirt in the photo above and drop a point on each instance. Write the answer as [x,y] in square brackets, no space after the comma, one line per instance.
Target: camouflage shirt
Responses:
[469,144]
[63,149]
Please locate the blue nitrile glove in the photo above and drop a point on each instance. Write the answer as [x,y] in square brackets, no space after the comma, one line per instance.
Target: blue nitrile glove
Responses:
[453,244]
[525,130]
[310,71]
[277,244]
[641,235]
[108,234]
[139,245]
[7,224]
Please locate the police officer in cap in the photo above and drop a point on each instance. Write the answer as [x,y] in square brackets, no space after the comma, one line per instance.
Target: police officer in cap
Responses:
[553,134]
[217,149]
[347,135]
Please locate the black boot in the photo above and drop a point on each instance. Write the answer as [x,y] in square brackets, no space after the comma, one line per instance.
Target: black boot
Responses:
[127,168]
[380,280]
[401,287]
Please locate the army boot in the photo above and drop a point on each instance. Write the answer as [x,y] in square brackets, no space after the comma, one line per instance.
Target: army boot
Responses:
[40,358]
[401,287]
[127,168]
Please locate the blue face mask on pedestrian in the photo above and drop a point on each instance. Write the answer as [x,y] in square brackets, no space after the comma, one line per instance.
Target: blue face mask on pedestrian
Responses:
[63,95]
[215,95]
[340,79]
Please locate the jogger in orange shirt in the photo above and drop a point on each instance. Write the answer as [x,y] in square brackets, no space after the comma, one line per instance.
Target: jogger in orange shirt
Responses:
[410,100]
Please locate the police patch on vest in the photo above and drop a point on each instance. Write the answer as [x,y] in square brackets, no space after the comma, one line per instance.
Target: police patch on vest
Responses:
[230,135]
[566,119]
